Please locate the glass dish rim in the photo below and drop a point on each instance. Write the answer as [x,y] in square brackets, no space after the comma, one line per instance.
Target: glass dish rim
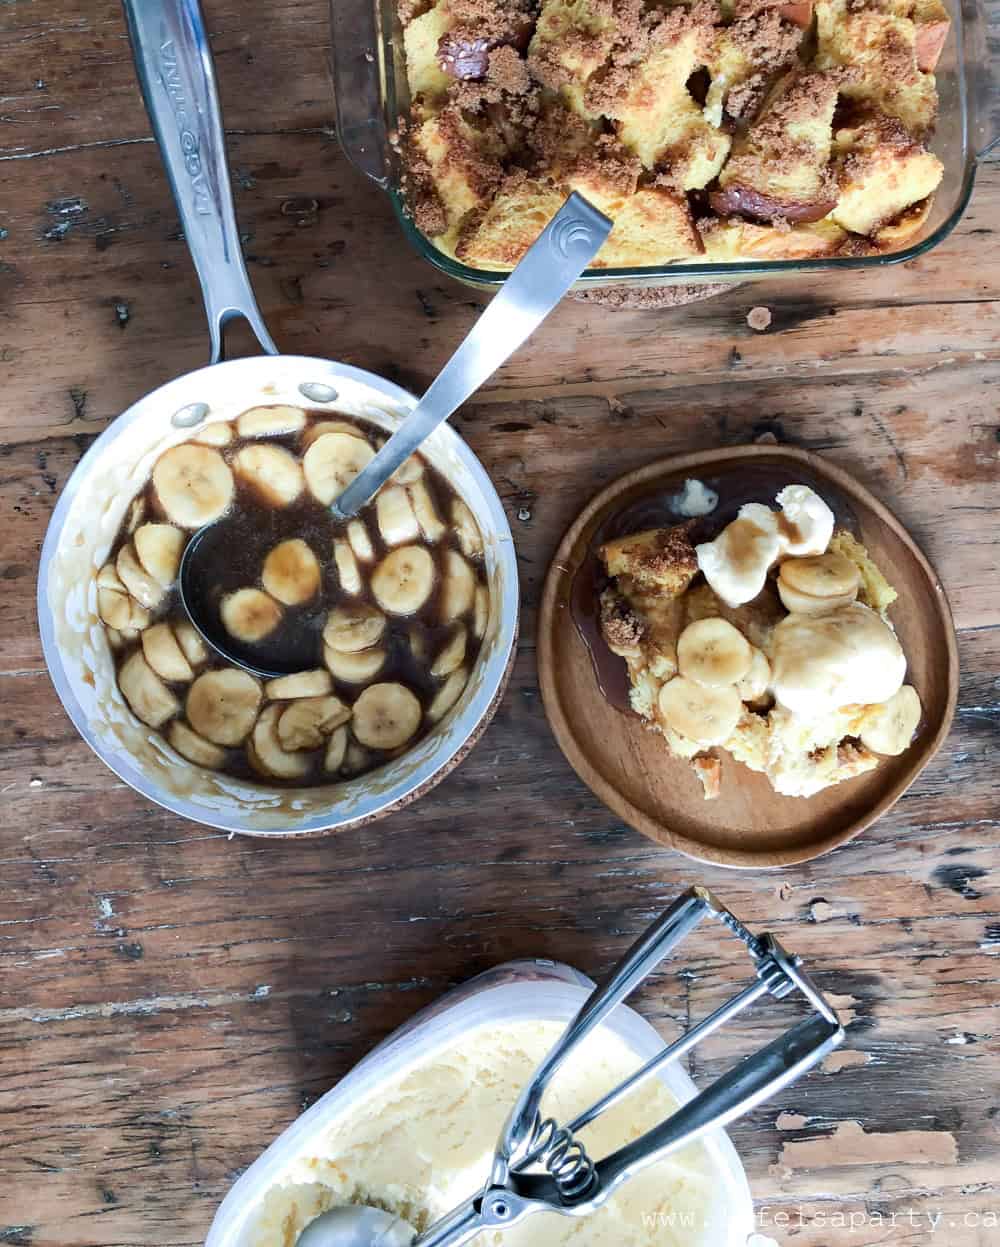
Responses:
[686,274]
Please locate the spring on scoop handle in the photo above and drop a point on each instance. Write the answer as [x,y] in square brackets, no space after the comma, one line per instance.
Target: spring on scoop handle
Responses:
[565,1158]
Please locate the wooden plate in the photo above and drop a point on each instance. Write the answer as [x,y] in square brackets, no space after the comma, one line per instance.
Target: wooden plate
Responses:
[628,766]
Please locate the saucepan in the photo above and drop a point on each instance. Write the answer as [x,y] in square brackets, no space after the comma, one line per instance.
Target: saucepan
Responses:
[177,77]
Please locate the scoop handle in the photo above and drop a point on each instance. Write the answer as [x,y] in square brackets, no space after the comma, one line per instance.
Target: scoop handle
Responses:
[174,66]
[640,960]
[550,266]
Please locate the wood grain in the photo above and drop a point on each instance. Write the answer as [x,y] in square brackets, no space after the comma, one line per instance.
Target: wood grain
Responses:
[170,998]
[749,824]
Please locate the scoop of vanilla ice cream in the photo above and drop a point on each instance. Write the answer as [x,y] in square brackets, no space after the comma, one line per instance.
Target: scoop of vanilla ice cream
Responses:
[807,522]
[844,657]
[423,1142]
[736,563]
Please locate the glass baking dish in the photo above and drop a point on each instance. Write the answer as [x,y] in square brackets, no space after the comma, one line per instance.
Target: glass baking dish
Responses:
[370,88]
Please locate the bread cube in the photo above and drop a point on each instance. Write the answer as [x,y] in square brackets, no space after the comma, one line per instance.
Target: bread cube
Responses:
[780,167]
[881,171]
[653,227]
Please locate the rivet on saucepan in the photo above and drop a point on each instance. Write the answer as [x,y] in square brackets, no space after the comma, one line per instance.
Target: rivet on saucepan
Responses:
[187,417]
[317,392]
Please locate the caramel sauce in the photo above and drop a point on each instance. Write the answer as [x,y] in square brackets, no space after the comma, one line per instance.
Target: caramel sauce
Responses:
[239,542]
[655,507]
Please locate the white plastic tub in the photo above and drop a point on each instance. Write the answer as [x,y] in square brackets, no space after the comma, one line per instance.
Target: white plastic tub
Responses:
[516,991]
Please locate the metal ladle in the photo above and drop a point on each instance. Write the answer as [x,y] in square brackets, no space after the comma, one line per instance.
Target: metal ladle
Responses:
[176,73]
[539,1166]
[555,260]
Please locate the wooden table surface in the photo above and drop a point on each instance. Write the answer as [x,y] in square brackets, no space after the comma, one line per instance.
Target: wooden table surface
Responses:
[171,998]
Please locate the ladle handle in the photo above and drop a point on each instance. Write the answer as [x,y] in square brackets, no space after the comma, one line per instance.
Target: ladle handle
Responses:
[550,266]
[173,62]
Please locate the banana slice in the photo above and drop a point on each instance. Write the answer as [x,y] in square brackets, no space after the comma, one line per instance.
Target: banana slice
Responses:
[823,575]
[754,685]
[396,519]
[426,512]
[386,716]
[301,684]
[447,695]
[820,583]
[291,572]
[704,715]
[713,653]
[458,587]
[336,748]
[353,628]
[195,748]
[138,616]
[322,427]
[218,433]
[194,484]
[115,609]
[222,705]
[159,548]
[403,581]
[888,728]
[192,646]
[267,755]
[355,668]
[361,543]
[272,471]
[797,603]
[108,578]
[348,572]
[118,638]
[355,760]
[417,641]
[249,615]
[480,612]
[145,692]
[304,723]
[409,471]
[164,655]
[146,591]
[466,529]
[269,421]
[453,653]
[332,462]
[136,514]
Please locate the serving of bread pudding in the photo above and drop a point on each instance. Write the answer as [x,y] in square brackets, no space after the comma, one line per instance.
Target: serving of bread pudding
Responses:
[715,130]
[771,642]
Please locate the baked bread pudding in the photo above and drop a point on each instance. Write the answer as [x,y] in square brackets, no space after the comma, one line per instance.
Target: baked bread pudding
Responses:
[713,130]
[771,642]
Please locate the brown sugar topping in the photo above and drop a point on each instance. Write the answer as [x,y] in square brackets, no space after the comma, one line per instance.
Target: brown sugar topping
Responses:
[639,34]
[421,196]
[745,98]
[505,112]
[766,40]
[608,161]
[621,626]
[897,59]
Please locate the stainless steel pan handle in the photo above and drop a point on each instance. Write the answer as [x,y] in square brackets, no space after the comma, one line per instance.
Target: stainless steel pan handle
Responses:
[173,61]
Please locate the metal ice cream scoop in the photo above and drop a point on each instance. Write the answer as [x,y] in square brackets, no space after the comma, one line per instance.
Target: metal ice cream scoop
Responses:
[540,1166]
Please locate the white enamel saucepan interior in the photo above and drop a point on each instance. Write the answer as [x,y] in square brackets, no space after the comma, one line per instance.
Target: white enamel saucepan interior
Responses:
[178,83]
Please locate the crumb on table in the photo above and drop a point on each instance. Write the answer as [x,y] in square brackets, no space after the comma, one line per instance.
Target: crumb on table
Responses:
[759,318]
